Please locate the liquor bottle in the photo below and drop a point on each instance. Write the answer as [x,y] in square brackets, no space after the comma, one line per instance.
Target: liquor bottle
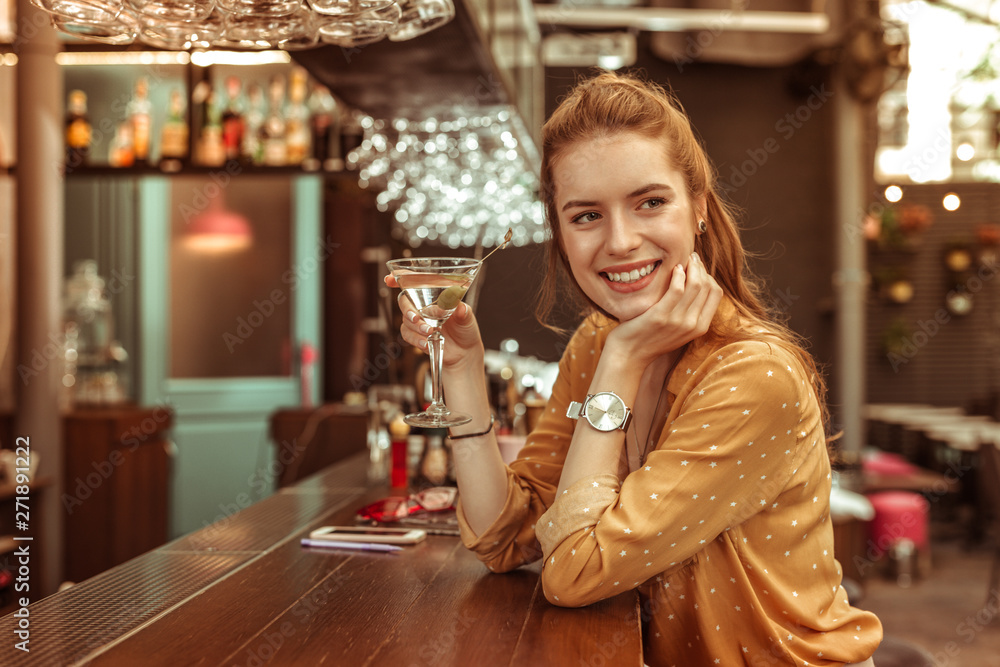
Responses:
[211,151]
[297,137]
[434,464]
[174,137]
[78,130]
[324,128]
[399,432]
[273,129]
[233,122]
[121,153]
[253,147]
[139,112]
[352,132]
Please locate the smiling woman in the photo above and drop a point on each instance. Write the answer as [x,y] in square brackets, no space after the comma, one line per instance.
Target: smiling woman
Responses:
[682,453]
[617,237]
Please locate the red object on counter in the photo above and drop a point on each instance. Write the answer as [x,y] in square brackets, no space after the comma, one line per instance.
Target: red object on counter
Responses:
[400,476]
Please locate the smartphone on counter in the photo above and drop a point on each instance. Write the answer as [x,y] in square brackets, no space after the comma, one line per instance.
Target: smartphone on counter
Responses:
[368,534]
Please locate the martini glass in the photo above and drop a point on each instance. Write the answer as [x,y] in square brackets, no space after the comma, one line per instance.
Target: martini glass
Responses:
[436,286]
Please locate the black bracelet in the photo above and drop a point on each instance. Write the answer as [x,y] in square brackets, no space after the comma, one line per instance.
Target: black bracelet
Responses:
[472,435]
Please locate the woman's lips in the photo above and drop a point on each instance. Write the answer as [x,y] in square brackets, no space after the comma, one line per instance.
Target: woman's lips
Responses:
[632,285]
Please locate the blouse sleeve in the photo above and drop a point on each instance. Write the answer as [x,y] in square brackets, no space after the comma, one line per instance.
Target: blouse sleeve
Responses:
[532,479]
[728,453]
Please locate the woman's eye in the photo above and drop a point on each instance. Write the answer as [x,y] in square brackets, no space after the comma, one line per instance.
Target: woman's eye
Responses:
[655,202]
[589,216]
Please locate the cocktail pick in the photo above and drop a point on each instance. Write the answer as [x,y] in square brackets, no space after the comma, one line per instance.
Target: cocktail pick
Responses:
[506,240]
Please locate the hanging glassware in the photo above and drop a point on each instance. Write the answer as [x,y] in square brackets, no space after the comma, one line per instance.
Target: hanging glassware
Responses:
[459,178]
[246,24]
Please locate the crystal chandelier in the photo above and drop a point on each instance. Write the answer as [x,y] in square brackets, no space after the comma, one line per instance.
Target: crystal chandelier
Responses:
[456,179]
[246,24]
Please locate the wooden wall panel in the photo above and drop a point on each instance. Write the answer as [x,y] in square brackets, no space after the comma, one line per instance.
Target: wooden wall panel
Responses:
[951,360]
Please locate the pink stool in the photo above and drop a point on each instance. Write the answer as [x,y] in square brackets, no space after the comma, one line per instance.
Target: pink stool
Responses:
[900,528]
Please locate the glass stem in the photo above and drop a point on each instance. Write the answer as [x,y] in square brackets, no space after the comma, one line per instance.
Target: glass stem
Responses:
[435,349]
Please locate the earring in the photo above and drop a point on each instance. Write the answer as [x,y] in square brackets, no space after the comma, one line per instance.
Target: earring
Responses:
[702,227]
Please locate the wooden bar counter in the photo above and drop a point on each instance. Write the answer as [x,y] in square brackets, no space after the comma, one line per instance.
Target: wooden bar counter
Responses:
[243,591]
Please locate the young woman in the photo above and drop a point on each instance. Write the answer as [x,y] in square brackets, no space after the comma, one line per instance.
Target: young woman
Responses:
[682,452]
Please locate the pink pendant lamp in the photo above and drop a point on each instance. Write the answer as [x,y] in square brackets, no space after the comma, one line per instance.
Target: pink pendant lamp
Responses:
[216,230]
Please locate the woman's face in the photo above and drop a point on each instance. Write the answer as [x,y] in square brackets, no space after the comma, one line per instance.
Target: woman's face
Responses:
[625,219]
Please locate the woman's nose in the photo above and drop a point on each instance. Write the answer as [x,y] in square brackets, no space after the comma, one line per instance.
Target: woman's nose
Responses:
[623,235]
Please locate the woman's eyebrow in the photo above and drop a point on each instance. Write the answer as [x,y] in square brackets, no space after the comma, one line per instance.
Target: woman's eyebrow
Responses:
[575,203]
[650,188]
[580,203]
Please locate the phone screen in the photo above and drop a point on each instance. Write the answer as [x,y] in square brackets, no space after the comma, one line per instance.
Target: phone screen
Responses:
[369,534]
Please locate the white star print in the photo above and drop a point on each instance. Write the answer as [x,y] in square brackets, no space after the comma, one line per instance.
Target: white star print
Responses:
[594,484]
[713,448]
[704,425]
[712,464]
[652,496]
[770,373]
[586,509]
[623,552]
[795,522]
[628,531]
[648,468]
[732,389]
[694,497]
[746,412]
[684,463]
[795,594]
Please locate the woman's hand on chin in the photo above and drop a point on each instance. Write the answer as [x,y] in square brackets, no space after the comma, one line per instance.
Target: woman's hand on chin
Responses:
[684,313]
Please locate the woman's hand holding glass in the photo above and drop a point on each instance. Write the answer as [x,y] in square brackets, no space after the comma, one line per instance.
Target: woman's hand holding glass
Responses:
[683,313]
[465,345]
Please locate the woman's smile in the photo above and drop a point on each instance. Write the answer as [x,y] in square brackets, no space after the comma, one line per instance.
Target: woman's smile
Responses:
[630,277]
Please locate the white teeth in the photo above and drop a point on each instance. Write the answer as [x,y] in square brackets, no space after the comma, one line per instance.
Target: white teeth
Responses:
[631,276]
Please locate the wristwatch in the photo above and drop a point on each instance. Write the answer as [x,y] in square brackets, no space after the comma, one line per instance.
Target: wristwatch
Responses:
[605,411]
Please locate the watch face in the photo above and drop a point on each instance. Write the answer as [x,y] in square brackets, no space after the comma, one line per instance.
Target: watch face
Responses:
[605,411]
